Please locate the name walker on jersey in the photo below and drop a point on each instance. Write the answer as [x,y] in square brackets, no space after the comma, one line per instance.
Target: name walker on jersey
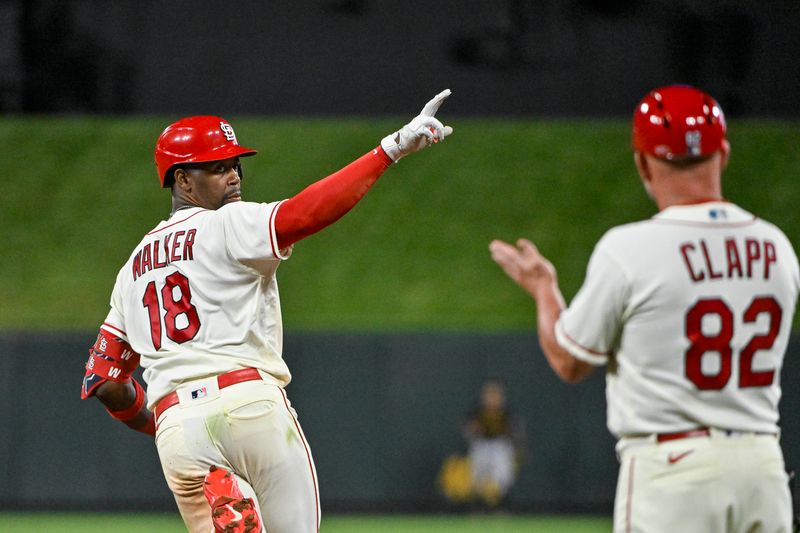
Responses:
[164,251]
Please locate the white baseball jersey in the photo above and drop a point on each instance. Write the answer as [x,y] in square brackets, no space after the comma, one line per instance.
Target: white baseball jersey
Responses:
[198,296]
[692,311]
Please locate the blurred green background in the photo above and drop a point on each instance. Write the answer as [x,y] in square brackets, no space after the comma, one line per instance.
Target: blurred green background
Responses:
[411,256]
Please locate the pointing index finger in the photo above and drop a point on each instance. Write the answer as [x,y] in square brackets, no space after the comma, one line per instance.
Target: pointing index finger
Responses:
[433,105]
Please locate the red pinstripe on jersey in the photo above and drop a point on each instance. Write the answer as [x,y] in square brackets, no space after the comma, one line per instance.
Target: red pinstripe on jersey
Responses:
[581,346]
[177,222]
[308,455]
[706,224]
[273,240]
[114,330]
[629,503]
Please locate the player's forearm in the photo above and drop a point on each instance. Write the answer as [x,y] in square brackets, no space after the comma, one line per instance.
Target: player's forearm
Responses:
[550,303]
[326,201]
[126,402]
[116,396]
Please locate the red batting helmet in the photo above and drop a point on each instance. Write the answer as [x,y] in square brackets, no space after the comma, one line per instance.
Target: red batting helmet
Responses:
[196,140]
[678,122]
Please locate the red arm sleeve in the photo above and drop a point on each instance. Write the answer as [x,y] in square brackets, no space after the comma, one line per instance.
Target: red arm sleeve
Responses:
[326,201]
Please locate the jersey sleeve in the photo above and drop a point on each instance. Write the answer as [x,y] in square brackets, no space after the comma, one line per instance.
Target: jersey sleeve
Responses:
[249,230]
[589,328]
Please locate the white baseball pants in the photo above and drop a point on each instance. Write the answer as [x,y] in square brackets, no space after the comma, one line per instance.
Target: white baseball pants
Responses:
[727,482]
[250,429]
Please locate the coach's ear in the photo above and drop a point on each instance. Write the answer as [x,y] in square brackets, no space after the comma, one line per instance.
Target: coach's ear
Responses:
[726,153]
[643,167]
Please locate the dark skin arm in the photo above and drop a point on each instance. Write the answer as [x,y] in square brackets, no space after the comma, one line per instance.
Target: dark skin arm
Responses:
[117,396]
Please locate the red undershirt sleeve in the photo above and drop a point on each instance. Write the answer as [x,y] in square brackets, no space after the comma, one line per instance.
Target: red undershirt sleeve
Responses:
[326,201]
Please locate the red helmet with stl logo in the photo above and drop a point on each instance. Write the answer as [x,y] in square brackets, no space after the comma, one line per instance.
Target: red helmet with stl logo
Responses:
[678,122]
[196,139]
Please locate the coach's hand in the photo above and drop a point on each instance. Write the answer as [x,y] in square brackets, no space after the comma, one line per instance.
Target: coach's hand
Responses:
[524,264]
[423,130]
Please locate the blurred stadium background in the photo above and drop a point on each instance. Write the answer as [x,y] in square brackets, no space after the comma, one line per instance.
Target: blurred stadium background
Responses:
[396,314]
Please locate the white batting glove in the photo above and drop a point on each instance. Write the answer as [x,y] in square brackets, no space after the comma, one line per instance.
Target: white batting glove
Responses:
[423,130]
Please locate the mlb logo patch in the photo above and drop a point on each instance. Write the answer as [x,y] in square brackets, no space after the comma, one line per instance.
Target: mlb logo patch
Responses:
[717,214]
[199,393]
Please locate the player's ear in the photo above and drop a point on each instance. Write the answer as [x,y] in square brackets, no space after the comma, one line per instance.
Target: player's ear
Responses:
[182,181]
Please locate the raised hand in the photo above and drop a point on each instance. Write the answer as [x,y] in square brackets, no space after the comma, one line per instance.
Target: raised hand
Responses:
[524,264]
[423,130]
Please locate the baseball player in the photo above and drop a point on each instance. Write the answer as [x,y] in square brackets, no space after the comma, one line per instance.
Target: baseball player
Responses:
[197,305]
[493,435]
[691,312]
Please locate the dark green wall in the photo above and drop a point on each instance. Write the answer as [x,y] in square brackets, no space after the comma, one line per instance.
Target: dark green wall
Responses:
[381,412]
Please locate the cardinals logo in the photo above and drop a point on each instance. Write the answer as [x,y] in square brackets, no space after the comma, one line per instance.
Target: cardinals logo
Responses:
[227,130]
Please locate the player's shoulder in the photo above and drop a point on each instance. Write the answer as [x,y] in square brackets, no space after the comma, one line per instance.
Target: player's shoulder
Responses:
[245,209]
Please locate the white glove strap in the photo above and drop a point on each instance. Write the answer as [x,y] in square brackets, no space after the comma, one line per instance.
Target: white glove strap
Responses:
[391,147]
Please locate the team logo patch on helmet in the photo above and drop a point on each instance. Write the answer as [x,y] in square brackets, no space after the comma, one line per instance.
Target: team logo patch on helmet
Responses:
[693,142]
[227,130]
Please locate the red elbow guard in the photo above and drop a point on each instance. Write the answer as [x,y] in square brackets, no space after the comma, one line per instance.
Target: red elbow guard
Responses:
[110,359]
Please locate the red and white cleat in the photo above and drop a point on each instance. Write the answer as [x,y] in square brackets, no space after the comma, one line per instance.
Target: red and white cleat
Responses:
[231,512]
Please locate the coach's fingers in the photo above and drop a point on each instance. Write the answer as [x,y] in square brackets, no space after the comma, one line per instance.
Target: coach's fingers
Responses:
[502,251]
[527,248]
[508,257]
[532,255]
[535,263]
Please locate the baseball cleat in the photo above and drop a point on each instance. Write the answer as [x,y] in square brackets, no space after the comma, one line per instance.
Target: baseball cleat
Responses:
[231,512]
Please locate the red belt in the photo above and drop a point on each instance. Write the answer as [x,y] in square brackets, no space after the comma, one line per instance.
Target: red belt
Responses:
[223,380]
[699,432]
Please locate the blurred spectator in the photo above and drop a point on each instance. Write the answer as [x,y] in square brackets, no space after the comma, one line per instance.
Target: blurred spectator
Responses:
[494,452]
[494,439]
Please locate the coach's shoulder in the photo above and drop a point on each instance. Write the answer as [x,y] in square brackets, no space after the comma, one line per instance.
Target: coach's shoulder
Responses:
[625,235]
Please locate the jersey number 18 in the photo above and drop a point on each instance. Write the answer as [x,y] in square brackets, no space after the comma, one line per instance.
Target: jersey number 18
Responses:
[173,308]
